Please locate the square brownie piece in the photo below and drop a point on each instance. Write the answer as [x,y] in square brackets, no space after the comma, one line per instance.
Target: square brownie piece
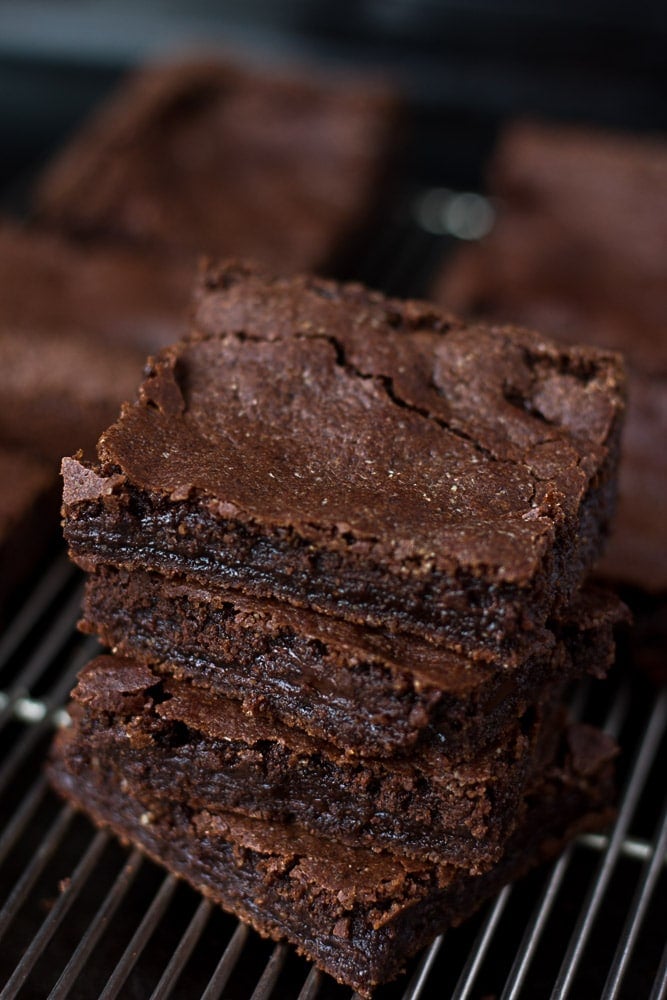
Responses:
[366,458]
[204,156]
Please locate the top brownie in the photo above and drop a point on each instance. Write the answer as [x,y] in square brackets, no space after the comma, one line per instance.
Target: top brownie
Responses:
[207,157]
[105,293]
[367,458]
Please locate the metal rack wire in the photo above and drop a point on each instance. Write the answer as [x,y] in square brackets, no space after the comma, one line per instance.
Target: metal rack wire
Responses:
[84,917]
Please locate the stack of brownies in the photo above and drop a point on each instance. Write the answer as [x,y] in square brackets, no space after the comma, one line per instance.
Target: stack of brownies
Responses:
[337,549]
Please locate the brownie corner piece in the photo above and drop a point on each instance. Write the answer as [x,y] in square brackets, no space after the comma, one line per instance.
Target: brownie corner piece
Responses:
[363,457]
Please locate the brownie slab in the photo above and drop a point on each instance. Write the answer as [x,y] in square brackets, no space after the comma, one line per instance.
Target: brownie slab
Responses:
[367,692]
[389,467]
[357,914]
[203,156]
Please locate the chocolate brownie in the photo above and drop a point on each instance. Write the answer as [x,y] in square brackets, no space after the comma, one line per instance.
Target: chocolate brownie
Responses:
[107,293]
[205,156]
[582,227]
[358,914]
[367,692]
[578,251]
[28,517]
[383,464]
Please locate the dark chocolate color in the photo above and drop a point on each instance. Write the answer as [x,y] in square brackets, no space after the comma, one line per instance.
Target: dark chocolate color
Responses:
[357,914]
[427,806]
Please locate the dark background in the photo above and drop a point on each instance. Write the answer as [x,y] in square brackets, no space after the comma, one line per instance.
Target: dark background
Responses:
[463,66]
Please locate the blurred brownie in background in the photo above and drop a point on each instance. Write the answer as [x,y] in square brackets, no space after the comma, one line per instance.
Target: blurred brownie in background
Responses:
[119,295]
[203,156]
[76,324]
[579,251]
[27,497]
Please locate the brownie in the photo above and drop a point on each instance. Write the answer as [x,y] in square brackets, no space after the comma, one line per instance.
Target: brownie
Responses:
[112,294]
[206,156]
[582,226]
[28,521]
[380,463]
[578,251]
[367,692]
[358,914]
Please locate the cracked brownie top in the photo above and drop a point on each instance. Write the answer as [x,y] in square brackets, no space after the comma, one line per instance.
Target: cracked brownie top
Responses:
[367,417]
[311,440]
